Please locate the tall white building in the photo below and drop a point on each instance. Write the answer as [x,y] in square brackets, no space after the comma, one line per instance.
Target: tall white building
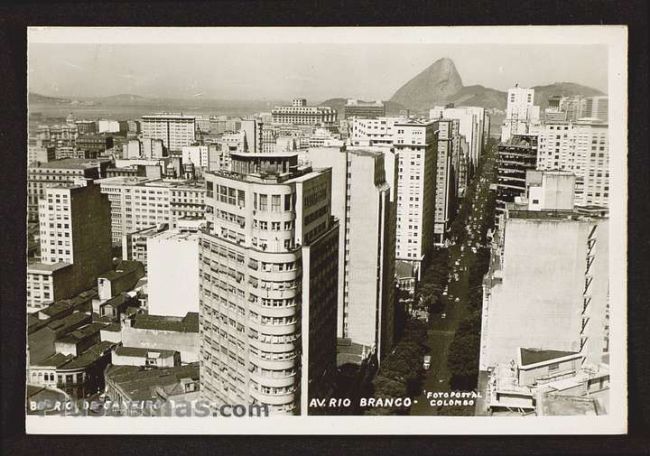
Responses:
[140,202]
[597,107]
[415,144]
[268,275]
[361,201]
[472,122]
[75,247]
[372,132]
[108,126]
[547,287]
[175,130]
[581,147]
[521,113]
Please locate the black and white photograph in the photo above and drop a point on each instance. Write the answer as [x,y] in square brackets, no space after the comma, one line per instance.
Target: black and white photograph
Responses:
[326,230]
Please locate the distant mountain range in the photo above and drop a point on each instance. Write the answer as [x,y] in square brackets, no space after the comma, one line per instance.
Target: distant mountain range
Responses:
[440,83]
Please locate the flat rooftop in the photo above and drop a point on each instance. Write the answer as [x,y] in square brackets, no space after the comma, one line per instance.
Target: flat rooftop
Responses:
[567,215]
[188,323]
[556,405]
[141,352]
[70,163]
[532,356]
[45,268]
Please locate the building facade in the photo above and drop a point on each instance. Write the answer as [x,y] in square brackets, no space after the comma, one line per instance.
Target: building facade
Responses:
[173,273]
[416,148]
[446,190]
[268,270]
[521,113]
[175,130]
[141,202]
[59,172]
[361,201]
[514,158]
[301,114]
[68,236]
[581,147]
[364,109]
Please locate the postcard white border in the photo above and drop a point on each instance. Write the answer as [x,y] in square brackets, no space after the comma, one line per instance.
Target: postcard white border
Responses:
[614,37]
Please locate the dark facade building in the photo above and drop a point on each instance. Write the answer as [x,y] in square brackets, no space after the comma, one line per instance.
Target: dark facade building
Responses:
[514,158]
[94,144]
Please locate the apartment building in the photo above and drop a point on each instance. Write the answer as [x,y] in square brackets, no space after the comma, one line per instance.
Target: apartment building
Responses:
[361,200]
[301,114]
[416,147]
[175,130]
[581,147]
[141,202]
[268,272]
[75,248]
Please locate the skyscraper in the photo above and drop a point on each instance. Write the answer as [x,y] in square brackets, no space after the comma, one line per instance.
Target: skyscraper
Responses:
[521,112]
[446,191]
[361,201]
[75,230]
[175,130]
[581,147]
[268,271]
[547,287]
[415,144]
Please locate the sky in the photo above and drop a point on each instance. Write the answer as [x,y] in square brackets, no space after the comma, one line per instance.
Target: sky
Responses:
[281,71]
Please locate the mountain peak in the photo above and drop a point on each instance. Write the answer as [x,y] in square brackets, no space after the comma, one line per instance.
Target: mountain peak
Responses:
[435,84]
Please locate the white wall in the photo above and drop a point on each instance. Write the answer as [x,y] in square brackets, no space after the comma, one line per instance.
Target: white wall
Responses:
[173,274]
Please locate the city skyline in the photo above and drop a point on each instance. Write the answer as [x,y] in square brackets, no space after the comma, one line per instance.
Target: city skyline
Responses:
[231,70]
[443,253]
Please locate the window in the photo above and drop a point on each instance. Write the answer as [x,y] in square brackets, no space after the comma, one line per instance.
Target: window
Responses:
[263,202]
[275,203]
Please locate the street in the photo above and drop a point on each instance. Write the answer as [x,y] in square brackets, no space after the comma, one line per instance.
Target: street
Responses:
[463,253]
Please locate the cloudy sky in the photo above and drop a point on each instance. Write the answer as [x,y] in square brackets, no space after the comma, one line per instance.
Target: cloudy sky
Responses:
[281,71]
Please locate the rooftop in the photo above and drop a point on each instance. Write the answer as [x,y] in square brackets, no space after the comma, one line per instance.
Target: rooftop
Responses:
[141,352]
[533,356]
[82,333]
[188,323]
[162,115]
[558,405]
[88,357]
[56,360]
[557,215]
[521,140]
[125,267]
[403,269]
[143,384]
[70,163]
[45,268]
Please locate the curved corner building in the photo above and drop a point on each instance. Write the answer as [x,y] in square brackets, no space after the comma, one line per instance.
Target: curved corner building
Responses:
[268,270]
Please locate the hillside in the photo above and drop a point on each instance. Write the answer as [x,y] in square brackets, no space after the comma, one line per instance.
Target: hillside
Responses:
[436,84]
[440,84]
[42,99]
[543,93]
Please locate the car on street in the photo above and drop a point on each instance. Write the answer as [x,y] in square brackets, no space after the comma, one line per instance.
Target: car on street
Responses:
[444,315]
[426,363]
